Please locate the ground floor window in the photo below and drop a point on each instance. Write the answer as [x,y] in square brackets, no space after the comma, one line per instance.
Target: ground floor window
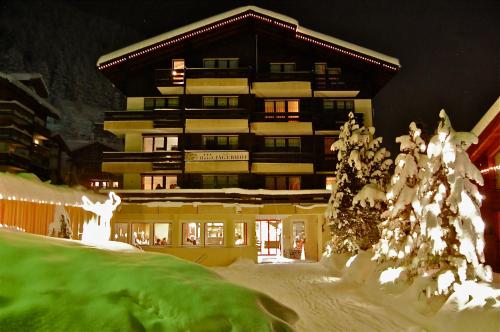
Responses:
[282,182]
[191,234]
[140,234]
[219,181]
[98,184]
[153,182]
[162,234]
[240,234]
[120,232]
[214,234]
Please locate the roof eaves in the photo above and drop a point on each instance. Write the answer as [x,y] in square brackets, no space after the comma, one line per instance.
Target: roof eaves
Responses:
[208,24]
[54,112]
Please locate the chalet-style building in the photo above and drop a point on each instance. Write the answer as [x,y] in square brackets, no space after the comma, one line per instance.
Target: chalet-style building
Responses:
[23,125]
[227,134]
[486,156]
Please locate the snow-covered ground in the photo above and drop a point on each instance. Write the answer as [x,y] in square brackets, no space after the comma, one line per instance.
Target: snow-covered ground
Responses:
[325,301]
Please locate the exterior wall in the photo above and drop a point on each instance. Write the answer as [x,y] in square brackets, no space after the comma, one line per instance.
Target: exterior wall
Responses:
[135,103]
[133,143]
[364,106]
[229,215]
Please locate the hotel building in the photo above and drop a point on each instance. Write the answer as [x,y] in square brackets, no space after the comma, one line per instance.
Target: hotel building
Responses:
[227,134]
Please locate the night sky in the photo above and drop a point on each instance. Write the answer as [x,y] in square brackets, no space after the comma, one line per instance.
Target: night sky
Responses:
[449,50]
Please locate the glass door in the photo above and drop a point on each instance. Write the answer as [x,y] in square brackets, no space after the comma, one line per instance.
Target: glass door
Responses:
[178,67]
[268,235]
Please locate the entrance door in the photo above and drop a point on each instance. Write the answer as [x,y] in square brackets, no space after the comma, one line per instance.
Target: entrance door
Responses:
[268,234]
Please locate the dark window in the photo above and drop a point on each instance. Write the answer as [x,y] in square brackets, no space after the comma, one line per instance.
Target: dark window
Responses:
[220,142]
[282,67]
[283,144]
[219,181]
[341,105]
[282,182]
[220,101]
[154,103]
[221,63]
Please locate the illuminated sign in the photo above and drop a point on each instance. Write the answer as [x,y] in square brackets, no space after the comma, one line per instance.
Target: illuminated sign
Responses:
[216,156]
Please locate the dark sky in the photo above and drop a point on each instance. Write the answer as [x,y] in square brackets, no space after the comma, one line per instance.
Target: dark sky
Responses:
[449,50]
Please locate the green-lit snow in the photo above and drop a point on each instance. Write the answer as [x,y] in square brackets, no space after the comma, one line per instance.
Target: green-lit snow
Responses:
[57,285]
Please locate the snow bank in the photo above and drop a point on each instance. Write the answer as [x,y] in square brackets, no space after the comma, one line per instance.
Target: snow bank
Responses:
[61,285]
[28,187]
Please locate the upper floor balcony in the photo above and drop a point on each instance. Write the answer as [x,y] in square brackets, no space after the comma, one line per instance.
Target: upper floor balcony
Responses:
[158,160]
[162,118]
[333,120]
[216,113]
[174,77]
[16,136]
[12,112]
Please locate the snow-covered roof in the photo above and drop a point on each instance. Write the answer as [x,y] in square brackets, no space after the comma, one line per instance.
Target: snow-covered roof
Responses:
[487,118]
[54,112]
[27,187]
[32,78]
[230,16]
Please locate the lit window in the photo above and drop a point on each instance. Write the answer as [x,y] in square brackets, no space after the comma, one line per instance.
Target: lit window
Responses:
[214,234]
[191,234]
[162,234]
[152,182]
[329,181]
[140,234]
[282,182]
[240,234]
[160,143]
[328,141]
[115,184]
[120,232]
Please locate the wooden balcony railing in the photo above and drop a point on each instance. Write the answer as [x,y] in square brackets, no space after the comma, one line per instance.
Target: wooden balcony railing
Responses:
[160,159]
[163,118]
[281,117]
[282,157]
[15,135]
[216,113]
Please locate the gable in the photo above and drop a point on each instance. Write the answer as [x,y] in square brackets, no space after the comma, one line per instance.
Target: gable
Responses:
[248,15]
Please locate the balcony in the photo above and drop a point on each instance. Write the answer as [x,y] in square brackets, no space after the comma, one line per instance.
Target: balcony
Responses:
[292,76]
[15,135]
[216,113]
[168,77]
[15,161]
[162,118]
[282,157]
[333,120]
[281,117]
[12,112]
[160,160]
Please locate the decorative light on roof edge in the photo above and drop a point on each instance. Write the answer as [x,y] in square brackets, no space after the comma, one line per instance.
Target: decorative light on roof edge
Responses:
[298,35]
[492,168]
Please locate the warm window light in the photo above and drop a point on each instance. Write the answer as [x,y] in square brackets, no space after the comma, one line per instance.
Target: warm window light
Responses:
[36,141]
[98,228]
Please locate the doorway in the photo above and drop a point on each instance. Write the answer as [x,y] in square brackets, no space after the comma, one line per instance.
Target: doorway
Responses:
[268,236]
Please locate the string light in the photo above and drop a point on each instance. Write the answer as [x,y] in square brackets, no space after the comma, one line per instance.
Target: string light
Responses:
[37,201]
[239,17]
[492,168]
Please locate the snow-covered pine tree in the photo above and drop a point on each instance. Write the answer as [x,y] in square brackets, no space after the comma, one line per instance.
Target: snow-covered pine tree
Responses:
[451,229]
[361,163]
[400,227]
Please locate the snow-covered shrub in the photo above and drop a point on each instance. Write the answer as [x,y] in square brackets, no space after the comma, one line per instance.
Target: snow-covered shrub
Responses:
[361,175]
[399,229]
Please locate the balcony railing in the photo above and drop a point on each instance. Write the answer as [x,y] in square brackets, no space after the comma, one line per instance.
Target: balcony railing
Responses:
[283,76]
[160,159]
[15,135]
[333,120]
[216,113]
[282,157]
[281,117]
[216,155]
[169,77]
[162,118]
[15,160]
[12,112]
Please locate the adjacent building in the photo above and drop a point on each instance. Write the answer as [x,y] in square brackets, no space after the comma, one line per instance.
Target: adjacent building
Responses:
[227,134]
[486,156]
[23,125]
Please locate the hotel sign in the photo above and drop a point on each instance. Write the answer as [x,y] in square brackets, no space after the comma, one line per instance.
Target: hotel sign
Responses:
[216,156]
